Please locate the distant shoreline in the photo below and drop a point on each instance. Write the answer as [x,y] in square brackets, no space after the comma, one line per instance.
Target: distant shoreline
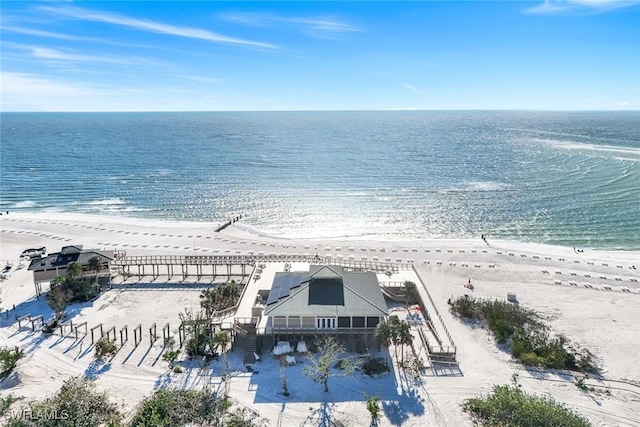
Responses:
[240,230]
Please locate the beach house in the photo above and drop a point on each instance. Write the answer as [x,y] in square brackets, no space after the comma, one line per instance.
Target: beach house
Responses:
[55,264]
[326,299]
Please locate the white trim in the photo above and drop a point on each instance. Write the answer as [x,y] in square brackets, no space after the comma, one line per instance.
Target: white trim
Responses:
[326,323]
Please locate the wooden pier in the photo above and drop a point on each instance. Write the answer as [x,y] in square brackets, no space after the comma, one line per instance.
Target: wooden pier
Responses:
[228,223]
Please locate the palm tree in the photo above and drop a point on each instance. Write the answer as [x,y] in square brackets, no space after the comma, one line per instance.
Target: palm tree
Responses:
[404,336]
[95,265]
[208,301]
[221,340]
[384,335]
[74,270]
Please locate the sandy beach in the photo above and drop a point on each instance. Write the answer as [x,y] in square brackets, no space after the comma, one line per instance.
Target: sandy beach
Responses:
[590,296]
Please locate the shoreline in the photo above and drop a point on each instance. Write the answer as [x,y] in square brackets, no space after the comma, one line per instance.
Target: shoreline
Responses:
[241,228]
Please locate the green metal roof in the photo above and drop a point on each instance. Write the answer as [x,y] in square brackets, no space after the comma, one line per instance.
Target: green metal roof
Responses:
[70,254]
[331,291]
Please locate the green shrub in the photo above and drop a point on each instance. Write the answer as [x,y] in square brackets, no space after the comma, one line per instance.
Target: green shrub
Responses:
[105,347]
[501,329]
[196,345]
[170,356]
[9,359]
[375,365]
[177,407]
[373,406]
[509,406]
[77,404]
[529,339]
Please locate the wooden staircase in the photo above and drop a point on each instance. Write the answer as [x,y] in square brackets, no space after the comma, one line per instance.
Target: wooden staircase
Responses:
[247,330]
[249,349]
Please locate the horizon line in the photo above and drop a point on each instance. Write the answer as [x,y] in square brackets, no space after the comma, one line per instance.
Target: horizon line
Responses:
[399,110]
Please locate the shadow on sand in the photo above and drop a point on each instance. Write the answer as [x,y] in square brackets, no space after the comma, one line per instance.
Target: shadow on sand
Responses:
[399,392]
[96,368]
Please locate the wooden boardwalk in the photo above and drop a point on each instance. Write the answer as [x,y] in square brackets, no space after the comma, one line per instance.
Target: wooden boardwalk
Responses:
[204,265]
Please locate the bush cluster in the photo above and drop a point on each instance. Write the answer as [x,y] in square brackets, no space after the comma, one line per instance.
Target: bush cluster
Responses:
[509,406]
[375,365]
[105,347]
[79,404]
[529,339]
[177,407]
[220,297]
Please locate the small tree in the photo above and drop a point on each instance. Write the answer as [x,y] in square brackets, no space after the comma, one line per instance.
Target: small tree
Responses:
[74,270]
[384,334]
[411,294]
[95,265]
[403,336]
[283,375]
[170,356]
[373,406]
[195,325]
[220,341]
[208,301]
[319,370]
[57,298]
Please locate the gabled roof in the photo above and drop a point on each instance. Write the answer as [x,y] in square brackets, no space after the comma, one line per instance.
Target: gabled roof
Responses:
[331,291]
[71,249]
[70,254]
[322,272]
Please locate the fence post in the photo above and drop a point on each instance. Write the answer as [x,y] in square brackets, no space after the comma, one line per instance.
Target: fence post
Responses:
[152,334]
[166,334]
[126,335]
[93,329]
[137,334]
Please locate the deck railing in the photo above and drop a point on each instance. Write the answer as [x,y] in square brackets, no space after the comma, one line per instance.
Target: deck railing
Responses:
[435,309]
[183,260]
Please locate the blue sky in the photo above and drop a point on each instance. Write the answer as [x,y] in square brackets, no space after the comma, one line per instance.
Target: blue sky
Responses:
[217,56]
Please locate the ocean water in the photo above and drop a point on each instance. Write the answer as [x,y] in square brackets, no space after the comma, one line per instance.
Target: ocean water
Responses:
[564,178]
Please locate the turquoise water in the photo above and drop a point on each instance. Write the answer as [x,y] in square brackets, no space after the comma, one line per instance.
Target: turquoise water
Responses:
[551,177]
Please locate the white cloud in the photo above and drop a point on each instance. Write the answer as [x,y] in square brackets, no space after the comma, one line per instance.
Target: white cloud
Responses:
[30,92]
[69,37]
[39,92]
[67,56]
[152,26]
[559,6]
[320,26]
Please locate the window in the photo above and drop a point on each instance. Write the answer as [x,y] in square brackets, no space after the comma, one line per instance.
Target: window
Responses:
[344,322]
[326,322]
[358,322]
[372,322]
[294,321]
